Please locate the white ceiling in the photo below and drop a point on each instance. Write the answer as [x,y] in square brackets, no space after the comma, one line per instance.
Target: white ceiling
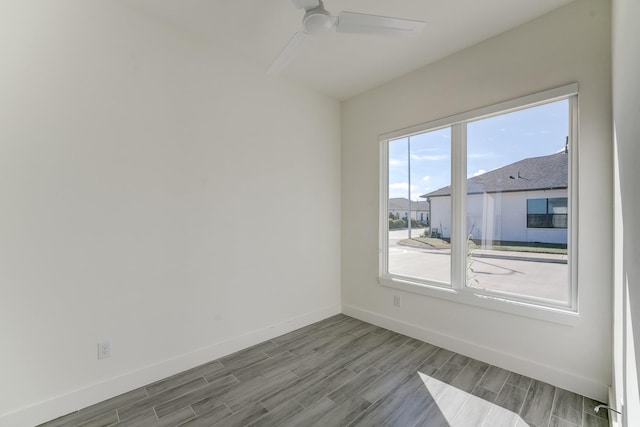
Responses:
[343,65]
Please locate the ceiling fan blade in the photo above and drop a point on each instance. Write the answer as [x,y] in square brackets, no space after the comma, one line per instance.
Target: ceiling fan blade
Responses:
[306,4]
[360,23]
[299,39]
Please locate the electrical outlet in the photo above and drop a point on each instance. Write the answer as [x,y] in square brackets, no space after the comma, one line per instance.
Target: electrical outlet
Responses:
[104,349]
[397,301]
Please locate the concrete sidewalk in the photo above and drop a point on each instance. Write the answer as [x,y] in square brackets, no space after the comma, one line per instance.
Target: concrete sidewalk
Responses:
[521,256]
[495,254]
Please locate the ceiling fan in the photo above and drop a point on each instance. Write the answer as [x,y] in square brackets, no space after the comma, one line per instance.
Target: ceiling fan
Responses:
[317,20]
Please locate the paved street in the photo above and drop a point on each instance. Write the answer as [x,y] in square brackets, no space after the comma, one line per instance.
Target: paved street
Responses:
[537,275]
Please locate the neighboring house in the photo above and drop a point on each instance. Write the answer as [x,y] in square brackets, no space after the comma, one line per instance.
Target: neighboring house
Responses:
[525,201]
[400,206]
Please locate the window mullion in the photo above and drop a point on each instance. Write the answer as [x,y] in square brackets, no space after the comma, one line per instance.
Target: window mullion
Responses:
[383,268]
[572,202]
[458,204]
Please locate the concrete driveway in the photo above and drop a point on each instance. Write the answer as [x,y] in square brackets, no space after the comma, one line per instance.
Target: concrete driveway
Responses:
[404,233]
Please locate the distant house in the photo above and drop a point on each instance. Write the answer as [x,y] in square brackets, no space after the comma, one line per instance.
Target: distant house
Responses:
[400,206]
[525,201]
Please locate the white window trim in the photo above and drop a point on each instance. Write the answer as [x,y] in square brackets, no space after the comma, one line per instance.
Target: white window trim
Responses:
[457,291]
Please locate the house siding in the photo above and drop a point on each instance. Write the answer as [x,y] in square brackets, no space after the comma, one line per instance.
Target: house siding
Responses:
[486,221]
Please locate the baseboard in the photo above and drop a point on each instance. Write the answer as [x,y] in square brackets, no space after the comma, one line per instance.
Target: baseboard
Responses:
[71,401]
[560,378]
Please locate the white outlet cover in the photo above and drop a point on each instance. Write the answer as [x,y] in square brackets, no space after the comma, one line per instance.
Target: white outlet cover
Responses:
[104,349]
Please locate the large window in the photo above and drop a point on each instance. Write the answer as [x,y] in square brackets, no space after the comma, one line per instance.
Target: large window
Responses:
[496,188]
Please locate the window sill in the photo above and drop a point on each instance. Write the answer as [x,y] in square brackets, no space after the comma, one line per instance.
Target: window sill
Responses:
[472,297]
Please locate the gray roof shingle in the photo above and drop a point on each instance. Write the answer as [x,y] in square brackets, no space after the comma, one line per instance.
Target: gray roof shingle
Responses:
[534,173]
[402,204]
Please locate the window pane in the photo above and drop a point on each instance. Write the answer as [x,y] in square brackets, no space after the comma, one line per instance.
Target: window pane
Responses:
[559,221]
[537,206]
[420,249]
[537,221]
[558,206]
[517,204]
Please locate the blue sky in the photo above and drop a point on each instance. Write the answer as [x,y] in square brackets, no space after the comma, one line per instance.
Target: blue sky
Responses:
[491,143]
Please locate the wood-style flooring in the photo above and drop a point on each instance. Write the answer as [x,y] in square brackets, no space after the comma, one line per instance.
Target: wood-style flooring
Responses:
[343,372]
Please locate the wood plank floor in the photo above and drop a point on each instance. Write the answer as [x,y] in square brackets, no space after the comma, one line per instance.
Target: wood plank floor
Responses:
[343,372]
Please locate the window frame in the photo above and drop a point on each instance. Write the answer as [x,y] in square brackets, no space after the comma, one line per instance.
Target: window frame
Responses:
[457,291]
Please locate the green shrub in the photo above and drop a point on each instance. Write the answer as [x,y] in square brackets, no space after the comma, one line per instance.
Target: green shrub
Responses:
[397,223]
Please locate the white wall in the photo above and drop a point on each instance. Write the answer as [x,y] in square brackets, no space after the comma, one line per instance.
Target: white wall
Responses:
[626,117]
[441,215]
[571,44]
[507,219]
[131,160]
